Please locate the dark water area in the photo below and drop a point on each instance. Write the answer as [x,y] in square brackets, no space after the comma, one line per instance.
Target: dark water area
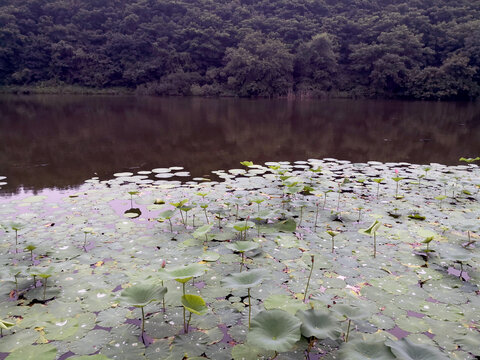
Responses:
[60,141]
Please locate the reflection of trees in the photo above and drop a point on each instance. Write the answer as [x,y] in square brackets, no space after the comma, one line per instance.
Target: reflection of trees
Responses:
[80,136]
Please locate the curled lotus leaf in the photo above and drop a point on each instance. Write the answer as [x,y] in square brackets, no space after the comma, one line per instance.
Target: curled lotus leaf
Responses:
[360,350]
[372,229]
[274,330]
[194,304]
[245,279]
[142,294]
[242,246]
[318,323]
[404,349]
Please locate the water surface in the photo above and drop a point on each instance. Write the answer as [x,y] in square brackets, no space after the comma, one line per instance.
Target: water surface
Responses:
[60,141]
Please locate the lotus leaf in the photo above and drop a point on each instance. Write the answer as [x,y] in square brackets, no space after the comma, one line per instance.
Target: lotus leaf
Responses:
[404,349]
[244,280]
[34,352]
[141,295]
[242,246]
[361,350]
[183,274]
[275,330]
[194,304]
[319,324]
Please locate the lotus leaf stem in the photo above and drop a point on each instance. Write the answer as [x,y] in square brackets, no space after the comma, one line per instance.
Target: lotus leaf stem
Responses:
[348,330]
[324,201]
[375,244]
[206,216]
[243,261]
[44,288]
[249,308]
[316,216]
[188,322]
[171,226]
[308,281]
[143,324]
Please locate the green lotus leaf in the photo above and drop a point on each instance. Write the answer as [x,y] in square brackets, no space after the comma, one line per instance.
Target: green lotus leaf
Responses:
[361,350]
[245,279]
[34,352]
[243,225]
[194,304]
[351,312]
[143,294]
[372,229]
[6,324]
[470,342]
[167,214]
[288,225]
[210,256]
[284,302]
[242,246]
[404,349]
[318,323]
[202,231]
[184,273]
[274,330]
[246,163]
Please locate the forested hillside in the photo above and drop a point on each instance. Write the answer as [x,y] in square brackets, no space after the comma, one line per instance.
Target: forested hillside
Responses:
[423,49]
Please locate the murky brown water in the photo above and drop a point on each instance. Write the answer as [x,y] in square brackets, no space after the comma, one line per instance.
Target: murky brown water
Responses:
[60,141]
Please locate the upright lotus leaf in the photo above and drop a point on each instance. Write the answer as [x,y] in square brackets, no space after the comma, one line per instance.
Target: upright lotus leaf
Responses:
[141,295]
[246,279]
[319,324]
[361,350]
[167,215]
[242,247]
[202,231]
[372,231]
[246,163]
[194,304]
[275,330]
[4,324]
[183,274]
[404,349]
[351,312]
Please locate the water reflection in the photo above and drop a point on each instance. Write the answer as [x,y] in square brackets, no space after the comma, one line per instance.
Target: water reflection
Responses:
[59,141]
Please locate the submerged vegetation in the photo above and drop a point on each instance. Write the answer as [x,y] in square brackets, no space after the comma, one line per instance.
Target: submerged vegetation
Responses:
[411,49]
[293,293]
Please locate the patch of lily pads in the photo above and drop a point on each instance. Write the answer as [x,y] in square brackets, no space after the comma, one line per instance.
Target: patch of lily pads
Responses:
[318,259]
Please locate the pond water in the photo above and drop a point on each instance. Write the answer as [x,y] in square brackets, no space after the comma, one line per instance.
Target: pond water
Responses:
[60,141]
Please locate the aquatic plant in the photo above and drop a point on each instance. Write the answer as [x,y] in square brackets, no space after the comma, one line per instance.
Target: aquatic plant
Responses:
[275,330]
[241,247]
[245,280]
[318,325]
[30,248]
[333,233]
[167,215]
[202,231]
[5,325]
[397,180]
[350,313]
[140,295]
[312,257]
[86,230]
[194,304]
[372,231]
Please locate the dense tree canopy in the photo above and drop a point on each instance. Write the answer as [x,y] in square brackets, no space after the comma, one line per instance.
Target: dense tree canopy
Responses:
[424,49]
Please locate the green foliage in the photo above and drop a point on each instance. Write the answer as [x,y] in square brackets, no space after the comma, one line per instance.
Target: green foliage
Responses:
[252,48]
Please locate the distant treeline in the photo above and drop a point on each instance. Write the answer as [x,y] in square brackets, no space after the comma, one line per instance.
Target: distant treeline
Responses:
[421,49]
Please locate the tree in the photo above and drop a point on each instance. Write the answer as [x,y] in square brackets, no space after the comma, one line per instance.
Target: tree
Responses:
[259,66]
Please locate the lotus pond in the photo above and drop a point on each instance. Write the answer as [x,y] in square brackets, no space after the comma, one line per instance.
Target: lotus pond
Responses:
[317,259]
